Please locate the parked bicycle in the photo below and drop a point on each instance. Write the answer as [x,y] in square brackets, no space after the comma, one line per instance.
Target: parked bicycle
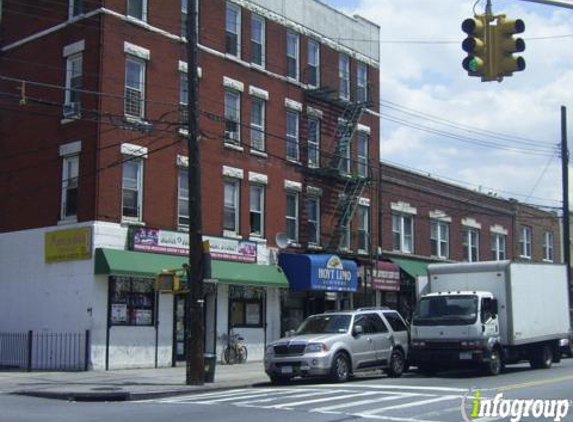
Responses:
[235,351]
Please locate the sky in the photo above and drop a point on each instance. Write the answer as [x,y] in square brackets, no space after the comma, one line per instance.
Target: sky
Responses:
[499,138]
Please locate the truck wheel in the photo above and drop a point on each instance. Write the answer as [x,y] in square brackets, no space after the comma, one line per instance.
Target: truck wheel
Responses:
[340,370]
[542,358]
[397,364]
[495,365]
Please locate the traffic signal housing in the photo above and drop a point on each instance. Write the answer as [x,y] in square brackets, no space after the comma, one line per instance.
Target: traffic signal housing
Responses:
[476,45]
[504,45]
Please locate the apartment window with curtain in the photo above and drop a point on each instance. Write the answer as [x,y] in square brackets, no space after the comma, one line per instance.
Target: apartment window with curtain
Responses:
[525,242]
[73,95]
[134,87]
[313,65]
[313,212]
[344,76]
[470,244]
[292,135]
[293,53]
[231,208]
[257,124]
[403,233]
[498,247]
[233,30]
[257,210]
[183,198]
[361,83]
[70,174]
[258,39]
[292,216]
[137,9]
[362,153]
[363,217]
[313,142]
[440,239]
[548,244]
[232,117]
[132,189]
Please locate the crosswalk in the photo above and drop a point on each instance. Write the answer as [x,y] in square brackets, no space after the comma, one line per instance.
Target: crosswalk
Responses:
[393,403]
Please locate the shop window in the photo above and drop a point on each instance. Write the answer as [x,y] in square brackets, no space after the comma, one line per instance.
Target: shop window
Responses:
[247,313]
[132,301]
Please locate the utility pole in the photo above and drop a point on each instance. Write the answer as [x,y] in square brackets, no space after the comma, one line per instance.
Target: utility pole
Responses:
[194,327]
[565,187]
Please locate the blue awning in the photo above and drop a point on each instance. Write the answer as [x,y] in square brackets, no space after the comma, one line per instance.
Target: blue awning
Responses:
[319,272]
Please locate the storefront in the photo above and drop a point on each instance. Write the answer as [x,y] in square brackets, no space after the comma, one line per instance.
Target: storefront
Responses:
[413,282]
[379,285]
[318,283]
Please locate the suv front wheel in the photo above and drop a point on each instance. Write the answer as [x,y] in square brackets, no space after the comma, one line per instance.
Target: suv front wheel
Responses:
[397,364]
[340,370]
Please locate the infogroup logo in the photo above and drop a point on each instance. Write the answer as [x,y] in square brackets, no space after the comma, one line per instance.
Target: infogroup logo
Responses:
[475,406]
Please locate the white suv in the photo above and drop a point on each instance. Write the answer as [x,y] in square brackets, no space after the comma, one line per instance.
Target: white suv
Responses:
[338,344]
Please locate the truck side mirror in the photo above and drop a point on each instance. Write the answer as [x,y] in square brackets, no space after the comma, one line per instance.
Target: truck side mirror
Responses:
[494,307]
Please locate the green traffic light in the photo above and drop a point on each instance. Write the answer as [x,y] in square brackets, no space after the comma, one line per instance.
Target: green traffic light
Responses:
[473,65]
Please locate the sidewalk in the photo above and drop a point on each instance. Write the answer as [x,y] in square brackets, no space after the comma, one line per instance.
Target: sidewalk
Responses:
[125,384]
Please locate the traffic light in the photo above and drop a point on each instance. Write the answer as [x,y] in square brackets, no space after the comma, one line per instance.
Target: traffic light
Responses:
[476,63]
[504,44]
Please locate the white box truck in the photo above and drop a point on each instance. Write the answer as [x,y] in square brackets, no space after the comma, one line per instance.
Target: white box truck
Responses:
[490,314]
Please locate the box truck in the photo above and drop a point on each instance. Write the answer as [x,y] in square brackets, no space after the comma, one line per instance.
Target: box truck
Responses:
[490,314]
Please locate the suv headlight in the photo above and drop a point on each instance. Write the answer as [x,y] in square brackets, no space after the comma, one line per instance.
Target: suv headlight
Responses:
[315,348]
[270,350]
[417,343]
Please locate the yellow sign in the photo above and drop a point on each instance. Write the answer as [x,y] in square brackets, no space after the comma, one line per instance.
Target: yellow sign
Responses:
[68,245]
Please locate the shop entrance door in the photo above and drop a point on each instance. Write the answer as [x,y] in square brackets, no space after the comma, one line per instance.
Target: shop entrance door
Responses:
[179,324]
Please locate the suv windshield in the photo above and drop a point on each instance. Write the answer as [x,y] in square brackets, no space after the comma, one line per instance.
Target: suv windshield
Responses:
[446,310]
[325,324]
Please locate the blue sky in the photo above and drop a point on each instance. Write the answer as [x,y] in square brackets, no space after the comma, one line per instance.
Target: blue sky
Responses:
[494,137]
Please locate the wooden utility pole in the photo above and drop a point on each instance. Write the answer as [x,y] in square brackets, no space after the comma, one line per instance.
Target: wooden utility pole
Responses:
[194,327]
[565,187]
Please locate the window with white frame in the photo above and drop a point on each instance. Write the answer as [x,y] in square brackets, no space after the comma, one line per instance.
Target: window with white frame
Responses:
[525,242]
[362,153]
[292,135]
[440,238]
[470,244]
[548,241]
[498,247]
[258,38]
[134,87]
[313,65]
[313,212]
[183,99]
[70,174]
[344,153]
[132,189]
[233,30]
[257,124]
[76,8]
[183,198]
[137,9]
[403,232]
[344,243]
[313,142]
[293,53]
[232,117]
[361,83]
[257,210]
[292,199]
[231,205]
[72,100]
[363,217]
[344,76]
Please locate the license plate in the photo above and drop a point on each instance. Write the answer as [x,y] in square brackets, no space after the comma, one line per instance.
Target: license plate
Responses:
[465,355]
[286,370]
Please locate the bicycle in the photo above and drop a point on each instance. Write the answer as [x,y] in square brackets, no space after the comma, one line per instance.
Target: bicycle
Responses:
[235,351]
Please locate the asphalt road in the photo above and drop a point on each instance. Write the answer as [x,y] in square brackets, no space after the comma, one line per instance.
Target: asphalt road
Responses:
[413,398]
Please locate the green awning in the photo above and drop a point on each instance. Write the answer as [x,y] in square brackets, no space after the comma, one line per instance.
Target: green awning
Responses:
[413,267]
[140,264]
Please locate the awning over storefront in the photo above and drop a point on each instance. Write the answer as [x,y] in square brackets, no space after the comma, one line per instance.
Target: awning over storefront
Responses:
[140,264]
[319,272]
[413,267]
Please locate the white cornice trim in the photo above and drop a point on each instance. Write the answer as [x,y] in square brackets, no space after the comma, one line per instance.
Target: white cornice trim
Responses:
[403,207]
[471,222]
[497,229]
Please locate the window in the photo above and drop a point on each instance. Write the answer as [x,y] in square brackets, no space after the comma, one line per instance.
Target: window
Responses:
[132,301]
[72,100]
[257,210]
[292,55]
[363,215]
[361,83]
[395,321]
[313,68]
[344,76]
[70,174]
[137,9]
[292,134]
[76,7]
[344,243]
[548,246]
[233,30]
[470,244]
[258,40]
[313,142]
[134,87]
[183,100]
[132,189]
[498,247]
[525,242]
[183,198]
[439,239]
[343,151]
[313,212]
[258,124]
[184,18]
[232,117]
[292,216]
[246,312]
[362,154]
[403,233]
[231,206]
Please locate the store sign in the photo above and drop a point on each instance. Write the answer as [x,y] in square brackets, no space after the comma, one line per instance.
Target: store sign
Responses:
[385,276]
[334,275]
[68,245]
[177,243]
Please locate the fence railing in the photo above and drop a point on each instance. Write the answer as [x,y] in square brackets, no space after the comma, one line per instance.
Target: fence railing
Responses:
[45,351]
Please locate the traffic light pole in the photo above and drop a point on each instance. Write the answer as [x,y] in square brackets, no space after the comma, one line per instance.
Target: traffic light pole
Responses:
[194,327]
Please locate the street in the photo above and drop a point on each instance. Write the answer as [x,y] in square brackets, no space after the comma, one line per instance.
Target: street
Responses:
[413,398]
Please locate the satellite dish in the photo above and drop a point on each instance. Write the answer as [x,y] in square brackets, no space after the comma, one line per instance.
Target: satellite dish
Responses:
[281,240]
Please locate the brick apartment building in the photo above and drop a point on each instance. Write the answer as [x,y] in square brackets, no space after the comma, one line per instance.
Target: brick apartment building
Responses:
[94,164]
